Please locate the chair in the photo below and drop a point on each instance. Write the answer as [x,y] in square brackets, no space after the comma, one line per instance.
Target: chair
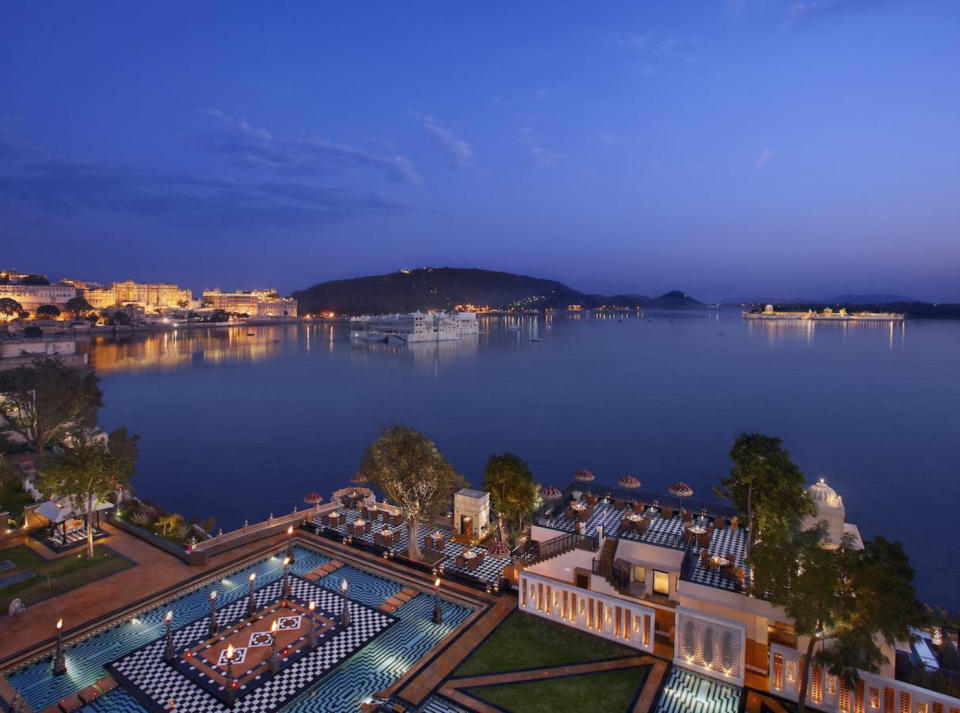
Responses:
[686,515]
[592,499]
[719,522]
[703,540]
[704,558]
[639,507]
[643,524]
[473,563]
[626,525]
[619,504]
[570,513]
[735,523]
[582,515]
[666,513]
[460,561]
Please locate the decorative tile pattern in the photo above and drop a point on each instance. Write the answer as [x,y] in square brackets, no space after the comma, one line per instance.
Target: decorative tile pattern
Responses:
[487,572]
[688,692]
[155,683]
[662,532]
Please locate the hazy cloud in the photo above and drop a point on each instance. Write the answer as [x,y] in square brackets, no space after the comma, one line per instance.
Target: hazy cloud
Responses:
[39,183]
[460,151]
[538,155]
[762,158]
[243,144]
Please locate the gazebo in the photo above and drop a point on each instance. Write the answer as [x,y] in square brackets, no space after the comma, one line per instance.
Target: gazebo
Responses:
[62,513]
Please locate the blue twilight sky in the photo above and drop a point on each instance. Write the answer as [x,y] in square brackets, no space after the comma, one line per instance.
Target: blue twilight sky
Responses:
[729,147]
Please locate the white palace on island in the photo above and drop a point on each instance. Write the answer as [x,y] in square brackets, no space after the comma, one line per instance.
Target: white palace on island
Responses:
[670,581]
[415,327]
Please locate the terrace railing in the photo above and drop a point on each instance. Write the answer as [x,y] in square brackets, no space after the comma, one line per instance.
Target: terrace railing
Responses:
[534,551]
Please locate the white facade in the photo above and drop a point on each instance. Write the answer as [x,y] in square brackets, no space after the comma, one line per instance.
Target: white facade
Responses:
[416,327]
[31,297]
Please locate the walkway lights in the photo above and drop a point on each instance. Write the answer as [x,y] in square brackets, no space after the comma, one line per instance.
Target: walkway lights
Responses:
[312,639]
[59,660]
[345,613]
[290,543]
[437,612]
[251,605]
[212,628]
[168,652]
[285,589]
[231,684]
[274,661]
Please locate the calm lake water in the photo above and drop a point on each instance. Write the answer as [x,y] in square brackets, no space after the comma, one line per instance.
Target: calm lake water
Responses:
[236,425]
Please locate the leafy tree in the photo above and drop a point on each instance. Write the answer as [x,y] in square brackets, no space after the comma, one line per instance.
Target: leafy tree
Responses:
[765,486]
[91,470]
[47,401]
[412,473]
[32,331]
[48,312]
[10,308]
[512,491]
[845,599]
[78,307]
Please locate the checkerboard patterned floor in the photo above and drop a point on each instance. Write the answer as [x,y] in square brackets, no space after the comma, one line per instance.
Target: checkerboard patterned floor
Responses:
[372,668]
[662,532]
[145,670]
[487,572]
[688,692]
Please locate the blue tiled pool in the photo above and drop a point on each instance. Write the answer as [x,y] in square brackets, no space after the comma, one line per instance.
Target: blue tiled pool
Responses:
[379,663]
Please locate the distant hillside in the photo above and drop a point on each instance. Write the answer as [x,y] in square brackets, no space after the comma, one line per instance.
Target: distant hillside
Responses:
[674,300]
[444,287]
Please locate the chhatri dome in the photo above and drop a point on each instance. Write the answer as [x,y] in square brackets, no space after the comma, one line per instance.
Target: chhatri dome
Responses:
[830,510]
[820,492]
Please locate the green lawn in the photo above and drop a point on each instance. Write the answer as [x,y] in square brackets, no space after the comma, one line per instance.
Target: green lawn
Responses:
[528,641]
[607,692]
[13,501]
[55,576]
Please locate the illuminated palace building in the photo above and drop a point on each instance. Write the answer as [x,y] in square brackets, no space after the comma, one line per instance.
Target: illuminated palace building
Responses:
[256,303]
[146,295]
[671,581]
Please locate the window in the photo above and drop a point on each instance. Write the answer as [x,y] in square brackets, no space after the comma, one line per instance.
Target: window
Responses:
[639,573]
[661,582]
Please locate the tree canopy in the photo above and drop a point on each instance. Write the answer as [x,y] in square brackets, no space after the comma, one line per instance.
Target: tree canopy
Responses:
[47,401]
[412,474]
[78,306]
[765,486]
[10,308]
[48,311]
[846,599]
[513,492]
[91,469]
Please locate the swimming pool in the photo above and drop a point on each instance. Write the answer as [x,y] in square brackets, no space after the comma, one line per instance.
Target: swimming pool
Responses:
[372,668]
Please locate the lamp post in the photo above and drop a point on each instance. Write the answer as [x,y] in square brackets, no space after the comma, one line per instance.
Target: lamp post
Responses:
[312,639]
[230,683]
[212,628]
[274,661]
[437,612]
[345,613]
[168,652]
[285,589]
[251,605]
[59,660]
[290,543]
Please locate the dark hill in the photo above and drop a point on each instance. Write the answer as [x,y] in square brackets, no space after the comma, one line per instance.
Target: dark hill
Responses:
[674,300]
[444,287]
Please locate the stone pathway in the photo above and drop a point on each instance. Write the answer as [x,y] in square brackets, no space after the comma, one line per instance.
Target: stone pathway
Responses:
[418,686]
[457,689]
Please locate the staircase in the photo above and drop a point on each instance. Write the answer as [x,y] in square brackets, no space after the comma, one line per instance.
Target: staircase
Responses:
[536,552]
[616,573]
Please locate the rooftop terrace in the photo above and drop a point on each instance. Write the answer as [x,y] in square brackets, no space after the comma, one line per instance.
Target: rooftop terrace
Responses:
[631,515]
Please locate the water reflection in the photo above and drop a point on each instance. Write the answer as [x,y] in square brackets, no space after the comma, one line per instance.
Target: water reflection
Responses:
[176,349]
[777,332]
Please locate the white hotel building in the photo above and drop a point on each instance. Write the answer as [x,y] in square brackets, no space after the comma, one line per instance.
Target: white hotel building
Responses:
[621,569]
[416,327]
